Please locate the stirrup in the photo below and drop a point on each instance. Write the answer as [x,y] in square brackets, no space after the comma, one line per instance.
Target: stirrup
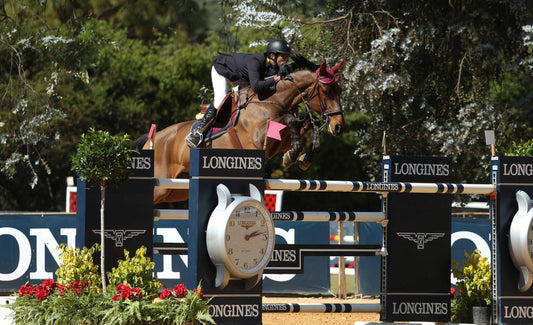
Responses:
[194,139]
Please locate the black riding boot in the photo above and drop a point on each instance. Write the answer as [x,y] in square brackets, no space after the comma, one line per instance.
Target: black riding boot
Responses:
[196,136]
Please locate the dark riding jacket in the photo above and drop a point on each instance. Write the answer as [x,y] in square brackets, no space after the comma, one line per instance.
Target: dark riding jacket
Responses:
[253,68]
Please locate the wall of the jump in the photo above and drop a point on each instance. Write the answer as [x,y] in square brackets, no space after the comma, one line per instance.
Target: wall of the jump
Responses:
[29,253]
[467,235]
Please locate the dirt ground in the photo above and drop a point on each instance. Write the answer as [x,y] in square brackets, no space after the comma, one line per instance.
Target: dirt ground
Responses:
[318,318]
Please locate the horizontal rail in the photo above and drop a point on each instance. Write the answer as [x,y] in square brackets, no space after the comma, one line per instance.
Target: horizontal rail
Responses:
[320,308]
[314,216]
[170,214]
[351,186]
[172,183]
[327,216]
[378,187]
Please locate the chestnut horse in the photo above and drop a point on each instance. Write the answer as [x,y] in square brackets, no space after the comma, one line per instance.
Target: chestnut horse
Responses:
[316,86]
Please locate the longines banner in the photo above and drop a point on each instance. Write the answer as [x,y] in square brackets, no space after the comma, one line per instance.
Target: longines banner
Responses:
[128,221]
[514,291]
[419,229]
[29,251]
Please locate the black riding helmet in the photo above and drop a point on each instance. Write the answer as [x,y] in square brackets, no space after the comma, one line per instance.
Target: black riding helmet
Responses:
[278,46]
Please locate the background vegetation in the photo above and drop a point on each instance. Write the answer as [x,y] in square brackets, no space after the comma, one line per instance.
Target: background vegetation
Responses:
[432,74]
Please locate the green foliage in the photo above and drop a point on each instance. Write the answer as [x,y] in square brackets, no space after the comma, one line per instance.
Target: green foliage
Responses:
[521,149]
[102,158]
[183,310]
[473,286]
[135,272]
[57,304]
[77,266]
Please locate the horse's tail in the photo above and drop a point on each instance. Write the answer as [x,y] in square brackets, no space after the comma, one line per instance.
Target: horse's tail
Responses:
[139,142]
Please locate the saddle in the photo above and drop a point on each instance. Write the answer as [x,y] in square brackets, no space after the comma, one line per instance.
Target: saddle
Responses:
[224,121]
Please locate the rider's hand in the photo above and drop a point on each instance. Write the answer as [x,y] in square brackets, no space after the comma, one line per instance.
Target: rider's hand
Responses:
[283,71]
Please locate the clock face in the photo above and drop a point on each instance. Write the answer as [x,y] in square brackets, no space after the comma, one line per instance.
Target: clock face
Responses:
[249,237]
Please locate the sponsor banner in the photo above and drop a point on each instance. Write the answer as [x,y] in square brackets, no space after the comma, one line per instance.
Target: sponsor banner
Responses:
[418,234]
[513,174]
[227,162]
[245,309]
[128,218]
[30,252]
[516,310]
[468,234]
[315,275]
[418,307]
[142,164]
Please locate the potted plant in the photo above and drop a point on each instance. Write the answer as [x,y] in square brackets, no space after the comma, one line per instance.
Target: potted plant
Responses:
[103,159]
[472,296]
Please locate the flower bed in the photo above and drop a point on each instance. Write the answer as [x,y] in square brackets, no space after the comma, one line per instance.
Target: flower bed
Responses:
[137,299]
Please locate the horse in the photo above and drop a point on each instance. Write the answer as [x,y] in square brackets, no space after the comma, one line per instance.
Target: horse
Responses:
[316,86]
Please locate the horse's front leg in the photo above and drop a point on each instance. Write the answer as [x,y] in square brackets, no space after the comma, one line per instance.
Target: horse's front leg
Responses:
[290,156]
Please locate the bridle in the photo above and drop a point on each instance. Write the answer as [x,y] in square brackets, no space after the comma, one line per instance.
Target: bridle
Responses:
[323,121]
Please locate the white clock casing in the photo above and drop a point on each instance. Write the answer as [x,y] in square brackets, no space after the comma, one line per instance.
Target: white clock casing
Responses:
[521,240]
[240,237]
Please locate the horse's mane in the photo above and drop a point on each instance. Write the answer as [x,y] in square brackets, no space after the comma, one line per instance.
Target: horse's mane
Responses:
[301,63]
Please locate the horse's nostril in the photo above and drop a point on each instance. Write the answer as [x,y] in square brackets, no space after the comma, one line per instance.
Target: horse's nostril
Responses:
[338,129]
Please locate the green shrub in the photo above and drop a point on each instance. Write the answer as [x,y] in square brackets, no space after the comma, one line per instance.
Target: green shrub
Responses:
[135,272]
[77,266]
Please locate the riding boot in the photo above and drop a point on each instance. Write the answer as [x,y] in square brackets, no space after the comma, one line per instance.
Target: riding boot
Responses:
[196,136]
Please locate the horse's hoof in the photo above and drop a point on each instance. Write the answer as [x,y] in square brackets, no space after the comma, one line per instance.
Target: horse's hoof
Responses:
[303,163]
[287,160]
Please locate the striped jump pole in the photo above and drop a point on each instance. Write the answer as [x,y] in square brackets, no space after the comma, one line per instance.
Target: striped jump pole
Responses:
[320,308]
[311,216]
[351,186]
[379,187]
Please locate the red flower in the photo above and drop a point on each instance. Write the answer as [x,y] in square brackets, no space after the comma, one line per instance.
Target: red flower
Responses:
[180,290]
[127,293]
[452,292]
[116,297]
[165,293]
[26,290]
[200,294]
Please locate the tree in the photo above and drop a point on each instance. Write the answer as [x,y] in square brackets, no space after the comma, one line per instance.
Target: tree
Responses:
[63,71]
[433,75]
[102,159]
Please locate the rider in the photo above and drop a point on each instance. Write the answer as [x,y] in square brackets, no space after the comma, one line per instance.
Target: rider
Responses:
[261,71]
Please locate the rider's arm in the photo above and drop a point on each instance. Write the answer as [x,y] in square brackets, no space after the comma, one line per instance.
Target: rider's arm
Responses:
[256,75]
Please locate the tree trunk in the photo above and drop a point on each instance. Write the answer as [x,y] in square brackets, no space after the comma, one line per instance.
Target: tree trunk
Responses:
[102,237]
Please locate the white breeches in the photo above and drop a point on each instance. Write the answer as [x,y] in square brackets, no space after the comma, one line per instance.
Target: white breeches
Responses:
[220,87]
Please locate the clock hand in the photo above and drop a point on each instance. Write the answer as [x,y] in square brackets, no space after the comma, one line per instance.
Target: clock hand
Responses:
[253,234]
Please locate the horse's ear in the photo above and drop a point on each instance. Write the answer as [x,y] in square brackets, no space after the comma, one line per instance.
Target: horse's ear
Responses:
[336,68]
[323,69]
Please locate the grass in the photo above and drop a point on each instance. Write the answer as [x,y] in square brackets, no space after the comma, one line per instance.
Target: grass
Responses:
[350,284]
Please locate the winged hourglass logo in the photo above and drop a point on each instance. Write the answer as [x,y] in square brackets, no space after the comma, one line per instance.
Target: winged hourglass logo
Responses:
[420,238]
[120,235]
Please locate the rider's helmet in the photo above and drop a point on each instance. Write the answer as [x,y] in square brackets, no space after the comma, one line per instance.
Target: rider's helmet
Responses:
[278,46]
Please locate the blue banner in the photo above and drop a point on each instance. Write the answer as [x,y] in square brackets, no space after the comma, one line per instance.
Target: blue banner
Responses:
[30,254]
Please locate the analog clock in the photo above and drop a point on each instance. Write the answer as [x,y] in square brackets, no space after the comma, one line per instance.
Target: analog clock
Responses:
[521,240]
[240,237]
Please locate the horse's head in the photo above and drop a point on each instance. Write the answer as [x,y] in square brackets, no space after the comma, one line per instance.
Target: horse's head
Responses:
[326,97]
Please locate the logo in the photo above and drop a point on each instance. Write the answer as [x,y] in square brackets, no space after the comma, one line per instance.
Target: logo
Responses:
[420,238]
[120,235]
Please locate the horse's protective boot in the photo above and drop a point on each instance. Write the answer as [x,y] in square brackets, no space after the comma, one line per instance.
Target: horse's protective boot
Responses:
[196,136]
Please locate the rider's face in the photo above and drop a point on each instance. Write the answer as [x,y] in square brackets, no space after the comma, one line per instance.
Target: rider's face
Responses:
[280,59]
